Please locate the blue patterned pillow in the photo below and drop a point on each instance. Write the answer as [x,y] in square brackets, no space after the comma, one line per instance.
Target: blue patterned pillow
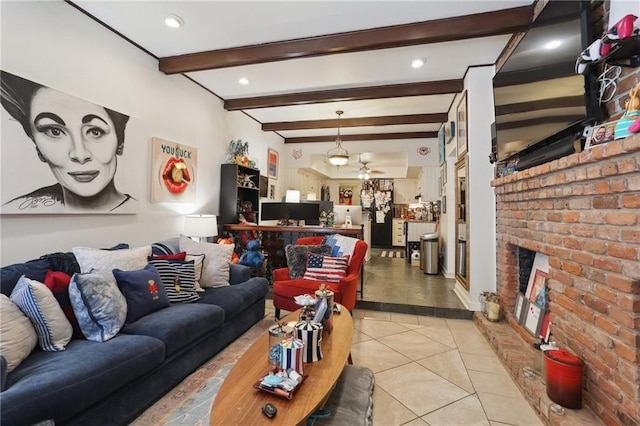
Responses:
[38,303]
[100,307]
[178,279]
[143,290]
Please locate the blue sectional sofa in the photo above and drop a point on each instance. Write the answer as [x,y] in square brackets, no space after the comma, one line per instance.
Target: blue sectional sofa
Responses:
[112,382]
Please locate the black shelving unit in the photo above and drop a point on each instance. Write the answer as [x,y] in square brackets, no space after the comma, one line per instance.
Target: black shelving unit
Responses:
[239,193]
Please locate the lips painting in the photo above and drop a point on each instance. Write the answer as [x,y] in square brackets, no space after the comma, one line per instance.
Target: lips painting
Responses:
[175,175]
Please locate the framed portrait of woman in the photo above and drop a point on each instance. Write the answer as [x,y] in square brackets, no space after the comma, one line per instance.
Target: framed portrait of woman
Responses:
[64,154]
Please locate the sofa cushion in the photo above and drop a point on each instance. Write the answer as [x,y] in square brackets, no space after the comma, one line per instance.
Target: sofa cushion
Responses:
[105,261]
[17,335]
[297,257]
[100,307]
[37,302]
[198,262]
[178,325]
[236,298]
[168,246]
[58,282]
[143,290]
[62,384]
[34,269]
[178,279]
[176,256]
[62,262]
[215,269]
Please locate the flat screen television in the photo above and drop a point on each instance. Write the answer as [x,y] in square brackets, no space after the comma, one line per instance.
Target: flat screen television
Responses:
[541,104]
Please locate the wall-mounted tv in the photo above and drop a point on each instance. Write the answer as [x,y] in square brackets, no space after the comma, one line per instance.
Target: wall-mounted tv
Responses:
[540,102]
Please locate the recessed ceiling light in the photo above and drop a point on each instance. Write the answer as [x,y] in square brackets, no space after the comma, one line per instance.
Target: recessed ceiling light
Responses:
[553,44]
[243,81]
[417,63]
[173,21]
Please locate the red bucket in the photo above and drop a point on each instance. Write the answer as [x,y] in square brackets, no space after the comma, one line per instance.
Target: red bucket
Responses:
[564,378]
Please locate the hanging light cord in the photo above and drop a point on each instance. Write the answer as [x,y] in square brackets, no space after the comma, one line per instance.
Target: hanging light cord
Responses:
[608,79]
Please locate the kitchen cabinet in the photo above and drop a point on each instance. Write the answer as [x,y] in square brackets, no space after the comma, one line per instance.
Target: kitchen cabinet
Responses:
[398,237]
[307,183]
[404,191]
[239,193]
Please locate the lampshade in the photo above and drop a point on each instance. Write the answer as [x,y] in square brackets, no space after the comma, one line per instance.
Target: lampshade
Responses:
[292,196]
[201,225]
[338,156]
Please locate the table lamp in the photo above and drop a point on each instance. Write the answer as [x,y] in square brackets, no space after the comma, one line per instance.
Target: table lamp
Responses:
[201,226]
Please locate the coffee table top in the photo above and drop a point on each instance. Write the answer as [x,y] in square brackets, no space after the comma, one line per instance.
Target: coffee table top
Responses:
[238,402]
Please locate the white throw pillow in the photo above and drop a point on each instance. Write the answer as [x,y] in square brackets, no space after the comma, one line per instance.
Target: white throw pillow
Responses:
[17,335]
[38,303]
[198,260]
[215,268]
[92,260]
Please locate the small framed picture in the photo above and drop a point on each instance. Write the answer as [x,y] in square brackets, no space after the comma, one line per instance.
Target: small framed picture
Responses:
[533,319]
[601,134]
[538,286]
[521,308]
[272,163]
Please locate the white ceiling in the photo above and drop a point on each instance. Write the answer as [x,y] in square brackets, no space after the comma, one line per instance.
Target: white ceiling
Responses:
[214,25]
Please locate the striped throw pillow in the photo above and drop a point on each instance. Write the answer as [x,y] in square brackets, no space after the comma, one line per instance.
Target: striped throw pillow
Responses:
[178,279]
[38,303]
[326,268]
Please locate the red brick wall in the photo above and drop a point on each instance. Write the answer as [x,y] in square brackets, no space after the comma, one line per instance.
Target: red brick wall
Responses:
[583,211]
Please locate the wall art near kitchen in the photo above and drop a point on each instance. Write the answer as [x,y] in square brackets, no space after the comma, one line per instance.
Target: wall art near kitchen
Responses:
[272,163]
[62,154]
[461,120]
[173,172]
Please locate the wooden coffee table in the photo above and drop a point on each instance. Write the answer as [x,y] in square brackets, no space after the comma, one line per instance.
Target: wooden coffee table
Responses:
[239,403]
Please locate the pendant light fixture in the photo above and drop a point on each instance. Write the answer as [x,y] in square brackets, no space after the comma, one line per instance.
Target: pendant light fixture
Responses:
[338,156]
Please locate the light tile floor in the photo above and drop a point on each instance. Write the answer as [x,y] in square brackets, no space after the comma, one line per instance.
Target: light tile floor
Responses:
[434,371]
[394,280]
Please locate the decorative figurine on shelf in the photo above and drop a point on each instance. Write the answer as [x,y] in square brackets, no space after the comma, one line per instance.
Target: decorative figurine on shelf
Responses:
[244,180]
[239,154]
[628,123]
[252,257]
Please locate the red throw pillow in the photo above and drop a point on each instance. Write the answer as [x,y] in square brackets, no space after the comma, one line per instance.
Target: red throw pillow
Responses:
[58,283]
[178,256]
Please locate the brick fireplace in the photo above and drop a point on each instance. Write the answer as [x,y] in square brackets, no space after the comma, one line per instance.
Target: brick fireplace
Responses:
[583,211]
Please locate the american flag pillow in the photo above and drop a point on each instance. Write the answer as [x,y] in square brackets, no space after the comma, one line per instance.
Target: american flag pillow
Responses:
[326,268]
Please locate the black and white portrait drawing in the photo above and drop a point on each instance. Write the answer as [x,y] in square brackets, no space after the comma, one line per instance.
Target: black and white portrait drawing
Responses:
[59,152]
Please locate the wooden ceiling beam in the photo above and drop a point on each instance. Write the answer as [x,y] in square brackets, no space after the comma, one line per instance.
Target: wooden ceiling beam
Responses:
[356,122]
[353,94]
[505,21]
[363,137]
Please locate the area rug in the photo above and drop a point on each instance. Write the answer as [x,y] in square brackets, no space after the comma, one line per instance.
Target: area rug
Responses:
[190,402]
[392,253]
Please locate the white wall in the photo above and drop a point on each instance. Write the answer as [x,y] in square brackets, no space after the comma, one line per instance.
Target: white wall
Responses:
[481,209]
[54,44]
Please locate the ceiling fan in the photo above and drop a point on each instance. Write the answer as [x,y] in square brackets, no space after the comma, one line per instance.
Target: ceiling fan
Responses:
[365,172]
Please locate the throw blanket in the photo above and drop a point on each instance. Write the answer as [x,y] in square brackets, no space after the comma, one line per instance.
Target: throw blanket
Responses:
[341,245]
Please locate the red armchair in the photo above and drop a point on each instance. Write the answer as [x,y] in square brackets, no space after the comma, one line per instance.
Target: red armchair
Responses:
[285,289]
